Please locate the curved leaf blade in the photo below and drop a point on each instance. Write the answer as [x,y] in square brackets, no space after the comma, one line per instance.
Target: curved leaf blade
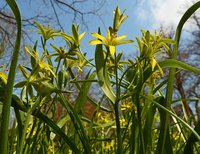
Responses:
[102,73]
[178,64]
[10,82]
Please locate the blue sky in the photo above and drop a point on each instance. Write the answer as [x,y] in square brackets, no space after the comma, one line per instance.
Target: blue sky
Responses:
[143,14]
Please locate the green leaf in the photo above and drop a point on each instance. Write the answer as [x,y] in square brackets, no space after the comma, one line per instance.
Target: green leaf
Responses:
[66,78]
[10,82]
[75,32]
[2,93]
[33,60]
[148,127]
[44,88]
[60,78]
[20,84]
[18,105]
[139,44]
[167,143]
[23,71]
[160,105]
[40,27]
[63,121]
[76,123]
[102,73]
[168,41]
[192,139]
[108,124]
[178,64]
[82,97]
[30,91]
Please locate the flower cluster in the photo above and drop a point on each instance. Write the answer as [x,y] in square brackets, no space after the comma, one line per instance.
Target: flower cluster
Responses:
[112,40]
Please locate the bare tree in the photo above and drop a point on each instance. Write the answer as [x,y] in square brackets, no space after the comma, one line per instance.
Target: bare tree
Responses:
[60,13]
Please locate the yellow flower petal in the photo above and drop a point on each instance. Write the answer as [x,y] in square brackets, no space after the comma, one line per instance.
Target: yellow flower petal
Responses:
[27,50]
[124,42]
[103,39]
[121,37]
[46,67]
[160,69]
[95,42]
[108,37]
[153,63]
[112,50]
[81,36]
[3,77]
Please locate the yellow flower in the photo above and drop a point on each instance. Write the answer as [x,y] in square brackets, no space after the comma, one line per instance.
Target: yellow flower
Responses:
[110,41]
[126,106]
[123,121]
[38,147]
[155,76]
[28,130]
[44,67]
[47,31]
[70,151]
[109,146]
[3,76]
[50,149]
[150,45]
[99,114]
[176,135]
[103,118]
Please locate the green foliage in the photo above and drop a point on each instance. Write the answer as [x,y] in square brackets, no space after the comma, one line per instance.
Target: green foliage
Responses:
[132,115]
[10,82]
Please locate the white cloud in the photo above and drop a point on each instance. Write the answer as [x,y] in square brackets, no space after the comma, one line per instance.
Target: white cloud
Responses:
[164,12]
[142,14]
[167,12]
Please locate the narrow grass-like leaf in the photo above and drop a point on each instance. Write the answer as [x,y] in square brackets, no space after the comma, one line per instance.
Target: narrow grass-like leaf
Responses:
[10,83]
[77,124]
[136,99]
[177,117]
[102,73]
[33,60]
[148,127]
[57,130]
[82,96]
[172,63]
[12,137]
[168,146]
[60,79]
[192,139]
[134,138]
[103,108]
[17,105]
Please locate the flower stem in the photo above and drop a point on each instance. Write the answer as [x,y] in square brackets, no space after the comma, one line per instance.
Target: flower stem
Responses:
[116,108]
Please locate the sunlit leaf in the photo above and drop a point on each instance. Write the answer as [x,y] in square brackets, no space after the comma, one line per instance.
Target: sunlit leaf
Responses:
[95,42]
[103,77]
[178,64]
